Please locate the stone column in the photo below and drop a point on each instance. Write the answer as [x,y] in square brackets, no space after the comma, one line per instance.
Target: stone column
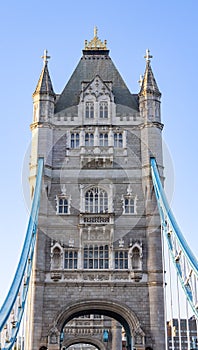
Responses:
[116,331]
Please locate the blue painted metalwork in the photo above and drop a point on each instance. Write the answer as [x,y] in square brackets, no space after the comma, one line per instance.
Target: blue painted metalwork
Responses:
[13,307]
[184,260]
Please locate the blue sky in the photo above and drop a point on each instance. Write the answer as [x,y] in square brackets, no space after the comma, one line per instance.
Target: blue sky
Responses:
[168,28]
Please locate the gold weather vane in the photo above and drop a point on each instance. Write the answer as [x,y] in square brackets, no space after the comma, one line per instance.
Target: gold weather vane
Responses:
[45,57]
[95,43]
[148,56]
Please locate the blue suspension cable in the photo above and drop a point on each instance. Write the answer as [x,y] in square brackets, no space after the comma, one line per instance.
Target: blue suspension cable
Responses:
[26,258]
[178,247]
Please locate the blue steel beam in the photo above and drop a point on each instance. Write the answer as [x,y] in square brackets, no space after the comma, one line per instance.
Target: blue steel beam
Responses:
[22,275]
[184,260]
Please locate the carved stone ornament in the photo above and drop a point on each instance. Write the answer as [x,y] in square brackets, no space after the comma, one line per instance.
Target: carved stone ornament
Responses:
[136,276]
[53,336]
[56,276]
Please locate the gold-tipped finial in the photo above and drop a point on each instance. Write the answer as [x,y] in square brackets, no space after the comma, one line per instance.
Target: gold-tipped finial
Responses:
[95,32]
[45,57]
[95,43]
[148,56]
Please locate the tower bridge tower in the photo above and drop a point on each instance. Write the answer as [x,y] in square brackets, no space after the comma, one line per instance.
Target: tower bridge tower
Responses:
[99,239]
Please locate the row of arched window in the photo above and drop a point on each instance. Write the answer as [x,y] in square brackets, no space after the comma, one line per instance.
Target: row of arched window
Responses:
[96,201]
[90,112]
[103,140]
[97,257]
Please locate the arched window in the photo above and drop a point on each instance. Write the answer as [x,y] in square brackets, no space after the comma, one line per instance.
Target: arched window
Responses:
[118,140]
[89,110]
[121,259]
[71,259]
[96,257]
[89,139]
[129,205]
[136,258]
[103,139]
[103,109]
[75,140]
[62,206]
[96,200]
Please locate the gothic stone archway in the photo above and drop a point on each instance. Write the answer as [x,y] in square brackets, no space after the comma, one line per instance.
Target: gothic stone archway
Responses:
[123,314]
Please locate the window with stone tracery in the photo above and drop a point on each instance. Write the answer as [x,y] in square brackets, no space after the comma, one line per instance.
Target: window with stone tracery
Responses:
[129,205]
[103,139]
[121,259]
[71,259]
[63,204]
[89,110]
[96,257]
[89,139]
[103,109]
[118,140]
[75,140]
[96,200]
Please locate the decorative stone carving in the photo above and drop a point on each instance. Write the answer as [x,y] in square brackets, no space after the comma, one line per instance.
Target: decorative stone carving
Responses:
[56,276]
[121,243]
[54,335]
[136,276]
[56,256]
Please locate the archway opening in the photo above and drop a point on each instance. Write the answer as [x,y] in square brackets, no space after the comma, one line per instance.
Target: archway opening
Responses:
[106,329]
[118,312]
[81,346]
[99,331]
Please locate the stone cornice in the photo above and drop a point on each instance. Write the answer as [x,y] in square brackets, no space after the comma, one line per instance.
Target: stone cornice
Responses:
[151,125]
[41,125]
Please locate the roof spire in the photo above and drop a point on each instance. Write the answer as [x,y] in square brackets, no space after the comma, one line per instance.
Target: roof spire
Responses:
[148,84]
[45,57]
[44,85]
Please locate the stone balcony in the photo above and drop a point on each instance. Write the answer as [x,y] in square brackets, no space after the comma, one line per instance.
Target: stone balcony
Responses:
[96,219]
[96,156]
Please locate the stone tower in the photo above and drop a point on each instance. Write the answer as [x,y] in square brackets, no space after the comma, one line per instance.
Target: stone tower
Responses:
[98,245]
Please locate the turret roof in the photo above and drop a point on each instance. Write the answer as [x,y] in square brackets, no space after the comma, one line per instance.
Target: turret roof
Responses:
[44,85]
[148,84]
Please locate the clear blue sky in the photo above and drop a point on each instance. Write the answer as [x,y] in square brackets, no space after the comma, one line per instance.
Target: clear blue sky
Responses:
[168,28]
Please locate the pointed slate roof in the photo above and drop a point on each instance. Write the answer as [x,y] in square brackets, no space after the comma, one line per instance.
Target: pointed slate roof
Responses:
[44,85]
[95,61]
[149,84]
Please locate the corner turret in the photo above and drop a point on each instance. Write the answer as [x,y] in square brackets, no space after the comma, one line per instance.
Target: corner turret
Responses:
[149,106]
[149,95]
[43,112]
[43,96]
